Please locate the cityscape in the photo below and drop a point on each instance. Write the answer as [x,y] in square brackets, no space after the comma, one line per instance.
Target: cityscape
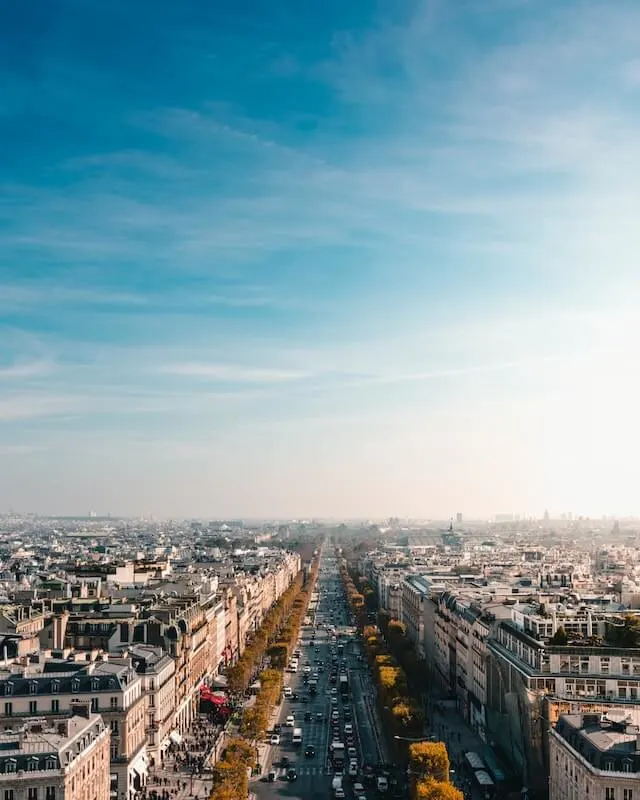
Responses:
[319,391]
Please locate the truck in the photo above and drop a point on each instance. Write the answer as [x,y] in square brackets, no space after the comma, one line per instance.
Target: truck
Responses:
[297,736]
[313,685]
[338,755]
[343,683]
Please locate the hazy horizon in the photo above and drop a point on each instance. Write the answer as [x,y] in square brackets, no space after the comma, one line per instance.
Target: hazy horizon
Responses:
[380,260]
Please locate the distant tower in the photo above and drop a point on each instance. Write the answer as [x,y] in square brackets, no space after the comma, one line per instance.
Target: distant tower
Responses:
[546,515]
[459,517]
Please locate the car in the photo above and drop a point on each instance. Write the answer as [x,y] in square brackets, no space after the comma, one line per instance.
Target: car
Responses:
[284,761]
[348,729]
[334,691]
[294,697]
[361,797]
[307,669]
[271,776]
[292,775]
[335,715]
[310,751]
[358,788]
[352,753]
[338,793]
[319,716]
[353,769]
[277,727]
[287,691]
[334,701]
[349,741]
[333,679]
[308,716]
[290,721]
[304,698]
[274,738]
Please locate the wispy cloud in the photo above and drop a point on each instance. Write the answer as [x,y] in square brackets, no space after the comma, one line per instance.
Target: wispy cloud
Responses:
[25,370]
[232,373]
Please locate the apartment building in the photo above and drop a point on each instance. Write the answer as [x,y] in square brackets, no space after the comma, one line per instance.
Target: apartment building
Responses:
[595,756]
[66,758]
[415,592]
[49,687]
[157,673]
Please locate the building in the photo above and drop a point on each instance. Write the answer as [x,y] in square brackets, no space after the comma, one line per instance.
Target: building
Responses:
[61,758]
[157,672]
[595,756]
[52,686]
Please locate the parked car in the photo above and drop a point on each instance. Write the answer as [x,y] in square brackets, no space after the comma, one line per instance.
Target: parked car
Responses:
[274,738]
[290,721]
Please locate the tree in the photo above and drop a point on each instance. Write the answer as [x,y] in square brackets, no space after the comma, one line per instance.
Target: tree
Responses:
[436,790]
[429,760]
[560,637]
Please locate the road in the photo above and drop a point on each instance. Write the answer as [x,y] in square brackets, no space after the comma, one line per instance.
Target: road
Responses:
[315,773]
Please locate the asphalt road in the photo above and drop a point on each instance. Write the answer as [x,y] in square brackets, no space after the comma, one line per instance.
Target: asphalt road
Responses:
[315,774]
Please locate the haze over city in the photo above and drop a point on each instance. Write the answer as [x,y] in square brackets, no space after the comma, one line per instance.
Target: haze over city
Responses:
[352,261]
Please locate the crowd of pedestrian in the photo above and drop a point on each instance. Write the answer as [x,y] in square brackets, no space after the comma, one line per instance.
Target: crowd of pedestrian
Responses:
[183,772]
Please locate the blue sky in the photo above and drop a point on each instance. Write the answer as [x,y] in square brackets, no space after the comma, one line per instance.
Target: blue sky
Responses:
[357,260]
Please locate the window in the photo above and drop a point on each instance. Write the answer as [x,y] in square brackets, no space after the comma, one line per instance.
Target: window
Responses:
[33,706]
[51,763]
[8,687]
[8,709]
[75,685]
[10,765]
[627,766]
[55,706]
[32,793]
[33,688]
[609,793]
[113,702]
[95,684]
[625,664]
[115,727]
[50,793]
[94,705]
[8,794]
[33,764]
[609,765]
[627,794]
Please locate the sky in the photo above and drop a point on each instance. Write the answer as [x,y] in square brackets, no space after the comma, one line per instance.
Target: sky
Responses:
[342,259]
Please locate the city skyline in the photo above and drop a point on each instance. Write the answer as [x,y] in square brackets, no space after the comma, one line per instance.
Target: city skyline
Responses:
[279,265]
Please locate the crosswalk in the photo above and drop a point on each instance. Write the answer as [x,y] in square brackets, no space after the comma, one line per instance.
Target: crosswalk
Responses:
[302,770]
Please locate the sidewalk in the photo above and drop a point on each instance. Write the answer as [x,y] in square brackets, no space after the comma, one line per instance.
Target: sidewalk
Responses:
[182,773]
[447,725]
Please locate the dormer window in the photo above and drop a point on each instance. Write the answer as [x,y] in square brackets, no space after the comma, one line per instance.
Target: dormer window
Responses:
[32,764]
[95,684]
[10,765]
[627,765]
[33,687]
[55,686]
[51,763]
[8,687]
[75,685]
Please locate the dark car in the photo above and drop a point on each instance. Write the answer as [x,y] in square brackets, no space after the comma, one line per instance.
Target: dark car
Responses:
[319,716]
[347,715]
[304,698]
[292,775]
[277,727]
[294,698]
[284,761]
[310,751]
[308,716]
[333,679]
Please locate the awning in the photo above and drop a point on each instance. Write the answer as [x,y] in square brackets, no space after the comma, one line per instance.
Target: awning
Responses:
[175,737]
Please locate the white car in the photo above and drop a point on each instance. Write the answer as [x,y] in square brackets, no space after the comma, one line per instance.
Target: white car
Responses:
[358,788]
[290,721]
[353,769]
[287,691]
[307,669]
[275,739]
[338,793]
